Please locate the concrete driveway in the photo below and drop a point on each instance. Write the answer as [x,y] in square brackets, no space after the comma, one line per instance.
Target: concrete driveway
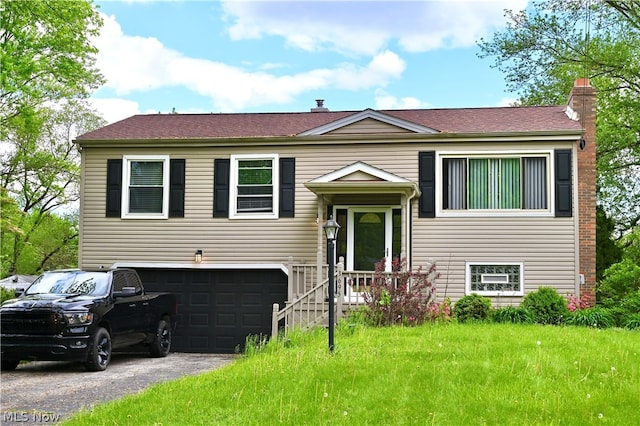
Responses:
[47,392]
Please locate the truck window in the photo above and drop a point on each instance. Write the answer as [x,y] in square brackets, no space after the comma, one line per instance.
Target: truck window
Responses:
[119,281]
[70,282]
[134,281]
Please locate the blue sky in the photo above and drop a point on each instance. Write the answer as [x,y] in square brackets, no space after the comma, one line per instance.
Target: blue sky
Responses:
[270,56]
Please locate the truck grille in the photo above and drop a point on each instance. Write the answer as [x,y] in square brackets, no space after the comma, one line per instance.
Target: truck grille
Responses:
[31,322]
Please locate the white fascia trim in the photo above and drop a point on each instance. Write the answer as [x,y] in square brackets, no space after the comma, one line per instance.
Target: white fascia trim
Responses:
[157,265]
[368,113]
[359,167]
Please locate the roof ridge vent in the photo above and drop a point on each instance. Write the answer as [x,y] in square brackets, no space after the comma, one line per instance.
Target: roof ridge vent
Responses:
[320,106]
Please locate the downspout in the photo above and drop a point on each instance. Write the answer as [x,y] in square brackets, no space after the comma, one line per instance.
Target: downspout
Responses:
[407,225]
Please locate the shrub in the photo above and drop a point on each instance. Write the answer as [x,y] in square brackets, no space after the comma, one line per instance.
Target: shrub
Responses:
[512,314]
[582,303]
[472,307]
[546,306]
[619,315]
[620,279]
[441,311]
[630,305]
[631,302]
[593,317]
[402,297]
[6,294]
[632,321]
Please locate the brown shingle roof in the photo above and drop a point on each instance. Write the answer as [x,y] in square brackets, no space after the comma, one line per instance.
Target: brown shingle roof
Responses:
[212,126]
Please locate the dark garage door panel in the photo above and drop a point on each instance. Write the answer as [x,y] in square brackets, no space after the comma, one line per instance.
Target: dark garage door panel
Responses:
[218,309]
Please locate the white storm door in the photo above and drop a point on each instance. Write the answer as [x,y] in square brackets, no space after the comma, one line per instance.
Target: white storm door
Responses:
[369,237]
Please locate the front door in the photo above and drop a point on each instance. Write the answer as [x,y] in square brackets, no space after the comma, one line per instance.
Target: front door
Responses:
[369,238]
[368,235]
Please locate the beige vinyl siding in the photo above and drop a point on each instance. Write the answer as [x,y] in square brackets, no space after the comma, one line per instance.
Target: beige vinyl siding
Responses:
[368,125]
[545,245]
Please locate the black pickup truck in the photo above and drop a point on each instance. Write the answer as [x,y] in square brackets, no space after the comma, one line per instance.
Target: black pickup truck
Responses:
[83,315]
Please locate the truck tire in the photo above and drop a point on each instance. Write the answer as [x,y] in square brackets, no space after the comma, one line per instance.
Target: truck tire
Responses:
[99,351]
[10,364]
[161,343]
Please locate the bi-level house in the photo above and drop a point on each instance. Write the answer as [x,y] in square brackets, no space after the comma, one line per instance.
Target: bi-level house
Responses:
[226,210]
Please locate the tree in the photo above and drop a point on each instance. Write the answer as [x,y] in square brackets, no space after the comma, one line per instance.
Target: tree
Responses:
[45,56]
[47,66]
[607,251]
[545,48]
[40,178]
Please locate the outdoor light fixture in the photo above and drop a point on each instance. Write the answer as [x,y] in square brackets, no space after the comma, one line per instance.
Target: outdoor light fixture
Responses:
[583,144]
[198,258]
[331,228]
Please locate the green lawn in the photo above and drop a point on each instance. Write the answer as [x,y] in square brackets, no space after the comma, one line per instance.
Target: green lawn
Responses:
[456,374]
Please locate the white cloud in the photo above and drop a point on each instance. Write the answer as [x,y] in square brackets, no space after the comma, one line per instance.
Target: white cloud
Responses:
[385,100]
[507,102]
[114,109]
[132,64]
[366,27]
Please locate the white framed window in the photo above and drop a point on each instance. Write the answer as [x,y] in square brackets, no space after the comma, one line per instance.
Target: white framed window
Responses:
[145,189]
[496,183]
[495,278]
[253,186]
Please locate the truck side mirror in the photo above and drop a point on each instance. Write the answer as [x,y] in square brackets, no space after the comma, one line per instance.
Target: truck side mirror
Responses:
[125,292]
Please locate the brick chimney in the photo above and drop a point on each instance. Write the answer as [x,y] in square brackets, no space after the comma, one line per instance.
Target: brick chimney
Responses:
[582,108]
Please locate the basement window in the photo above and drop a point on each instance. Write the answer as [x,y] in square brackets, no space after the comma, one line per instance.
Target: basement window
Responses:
[495,279]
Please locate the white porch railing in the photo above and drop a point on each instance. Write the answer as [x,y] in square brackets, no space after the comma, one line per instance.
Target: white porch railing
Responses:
[307,303]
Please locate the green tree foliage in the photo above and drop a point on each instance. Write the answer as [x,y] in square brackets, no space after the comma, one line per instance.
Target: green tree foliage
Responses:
[40,175]
[47,67]
[622,279]
[545,48]
[607,250]
[45,56]
[45,241]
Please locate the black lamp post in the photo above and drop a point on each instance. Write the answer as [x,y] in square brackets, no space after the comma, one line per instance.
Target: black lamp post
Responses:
[331,229]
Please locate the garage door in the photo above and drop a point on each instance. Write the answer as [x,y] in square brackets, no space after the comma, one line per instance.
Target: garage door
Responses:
[218,309]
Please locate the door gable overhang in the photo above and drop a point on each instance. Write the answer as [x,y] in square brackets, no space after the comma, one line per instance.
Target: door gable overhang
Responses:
[362,178]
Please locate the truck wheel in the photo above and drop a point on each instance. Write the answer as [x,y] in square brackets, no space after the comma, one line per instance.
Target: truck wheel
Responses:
[99,351]
[10,364]
[161,343]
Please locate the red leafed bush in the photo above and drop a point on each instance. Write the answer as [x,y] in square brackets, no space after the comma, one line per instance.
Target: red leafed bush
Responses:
[400,296]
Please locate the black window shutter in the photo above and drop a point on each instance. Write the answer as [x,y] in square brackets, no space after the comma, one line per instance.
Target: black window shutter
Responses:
[287,187]
[564,189]
[427,183]
[221,170]
[176,187]
[114,188]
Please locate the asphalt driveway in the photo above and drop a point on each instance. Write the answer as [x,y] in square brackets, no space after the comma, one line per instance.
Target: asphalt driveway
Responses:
[47,392]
